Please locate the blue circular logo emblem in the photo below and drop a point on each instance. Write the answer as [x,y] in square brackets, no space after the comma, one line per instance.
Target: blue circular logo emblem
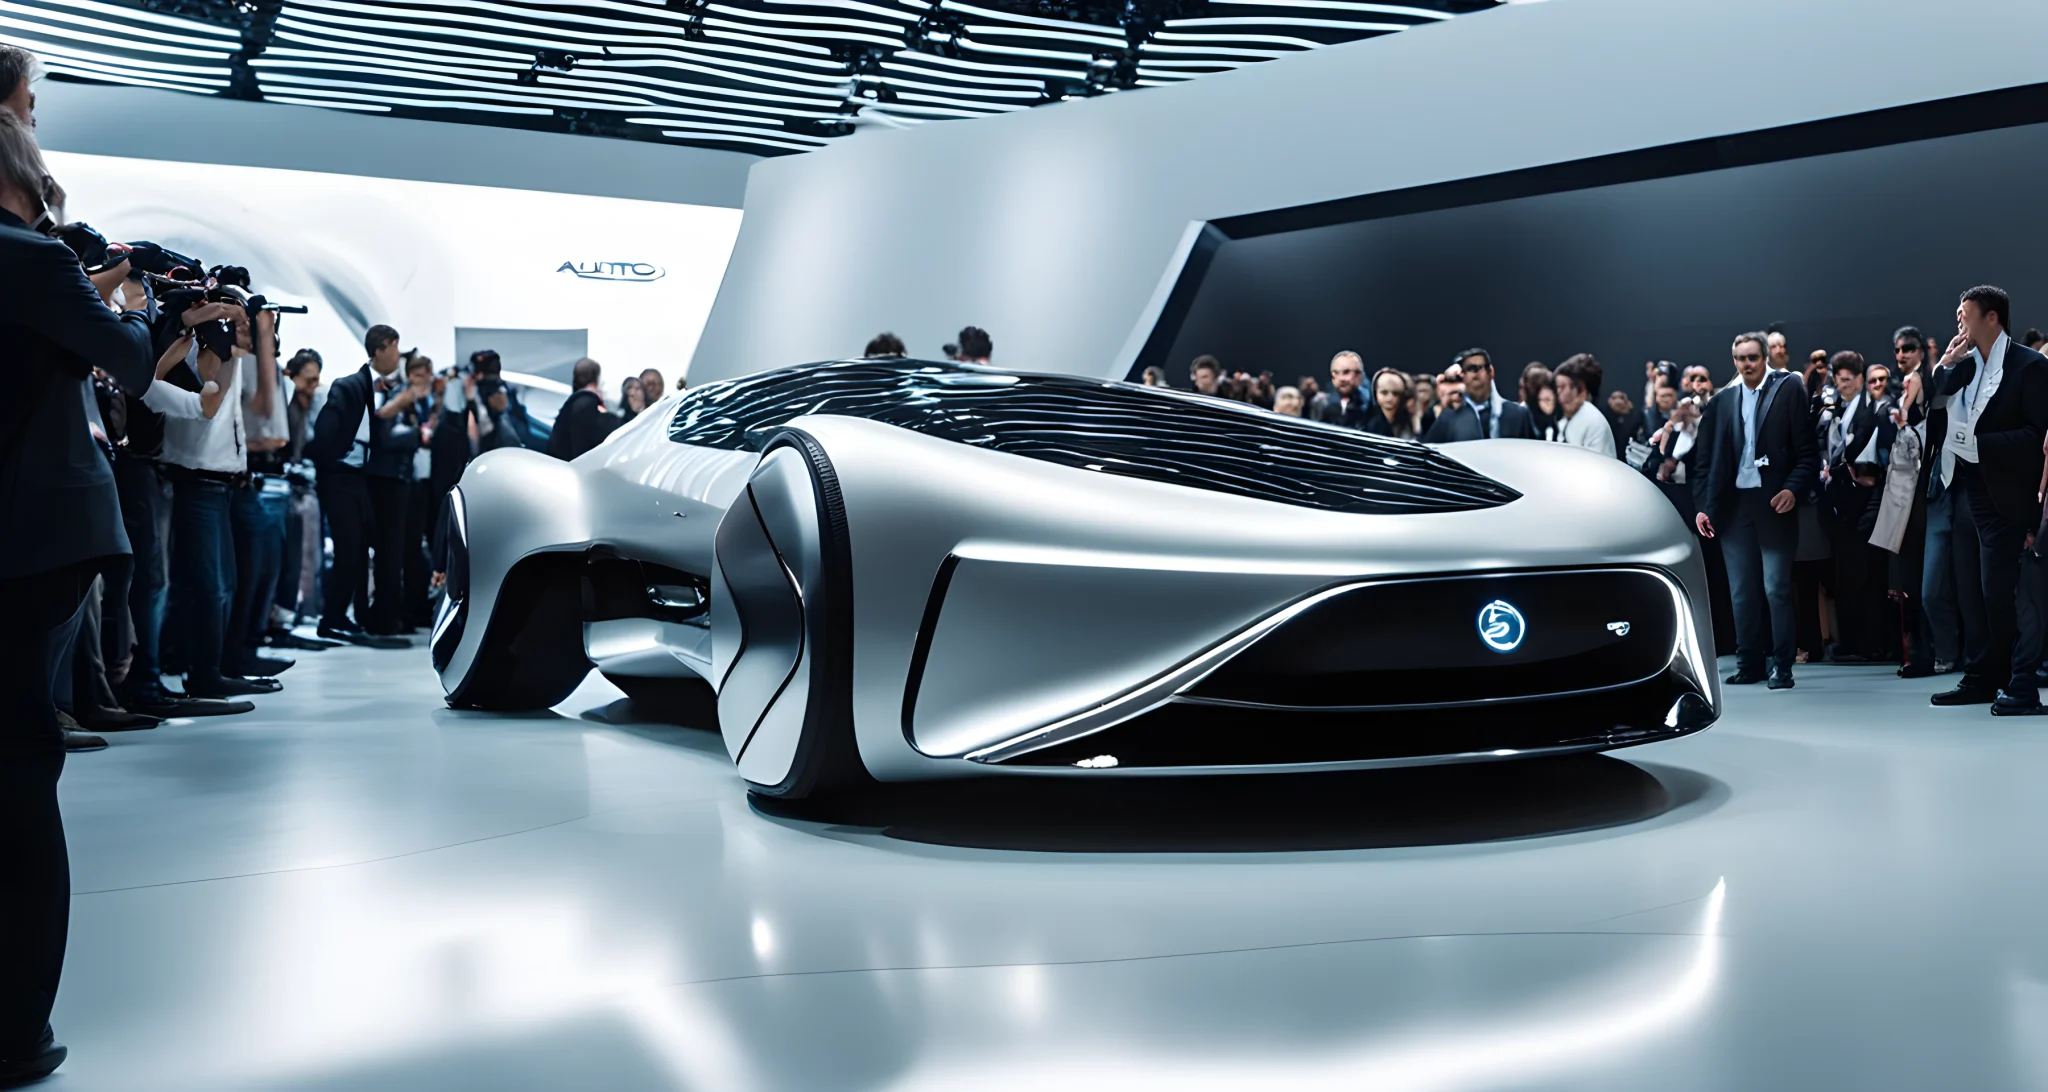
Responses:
[1501,626]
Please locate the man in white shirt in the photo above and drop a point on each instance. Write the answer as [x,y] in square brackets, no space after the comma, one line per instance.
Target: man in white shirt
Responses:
[206,459]
[1580,421]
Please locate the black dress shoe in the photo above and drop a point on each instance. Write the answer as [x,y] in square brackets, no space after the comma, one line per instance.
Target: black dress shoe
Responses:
[1745,677]
[2010,705]
[76,739]
[284,638]
[367,640]
[38,1063]
[1965,693]
[258,666]
[116,720]
[1917,671]
[1781,679]
[158,702]
[230,686]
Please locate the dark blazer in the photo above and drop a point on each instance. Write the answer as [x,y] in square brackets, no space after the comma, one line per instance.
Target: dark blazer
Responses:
[2008,430]
[1332,410]
[1865,422]
[393,440]
[57,499]
[1784,437]
[348,398]
[1450,428]
[582,425]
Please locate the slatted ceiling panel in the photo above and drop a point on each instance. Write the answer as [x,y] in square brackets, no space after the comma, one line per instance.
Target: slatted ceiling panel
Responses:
[114,43]
[769,77]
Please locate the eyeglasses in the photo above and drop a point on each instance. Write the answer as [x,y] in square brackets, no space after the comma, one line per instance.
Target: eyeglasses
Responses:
[1741,357]
[1905,349]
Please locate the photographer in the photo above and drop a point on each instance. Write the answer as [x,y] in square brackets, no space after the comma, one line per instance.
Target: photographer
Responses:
[58,502]
[260,508]
[301,564]
[206,457]
[340,450]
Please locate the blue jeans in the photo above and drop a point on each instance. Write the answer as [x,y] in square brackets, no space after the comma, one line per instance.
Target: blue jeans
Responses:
[202,572]
[1949,580]
[258,520]
[1759,546]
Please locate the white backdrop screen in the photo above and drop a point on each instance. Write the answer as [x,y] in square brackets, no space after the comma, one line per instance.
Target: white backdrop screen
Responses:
[426,257]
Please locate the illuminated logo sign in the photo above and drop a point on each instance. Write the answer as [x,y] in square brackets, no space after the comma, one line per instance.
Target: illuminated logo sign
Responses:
[1619,629]
[614,271]
[1501,626]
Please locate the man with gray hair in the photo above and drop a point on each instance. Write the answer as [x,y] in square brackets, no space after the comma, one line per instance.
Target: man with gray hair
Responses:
[57,501]
[19,70]
[1346,402]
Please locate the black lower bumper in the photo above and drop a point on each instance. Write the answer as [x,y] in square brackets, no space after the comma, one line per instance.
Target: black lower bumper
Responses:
[1184,734]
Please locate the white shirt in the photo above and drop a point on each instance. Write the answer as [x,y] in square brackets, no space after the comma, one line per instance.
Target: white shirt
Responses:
[275,426]
[1967,404]
[1587,428]
[198,443]
[173,402]
[1746,474]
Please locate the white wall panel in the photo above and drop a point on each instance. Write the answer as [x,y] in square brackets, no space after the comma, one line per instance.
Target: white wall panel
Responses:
[1052,227]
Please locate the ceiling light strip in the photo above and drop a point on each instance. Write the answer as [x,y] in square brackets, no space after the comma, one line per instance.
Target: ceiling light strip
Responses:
[1340,5]
[1032,20]
[1282,21]
[136,45]
[191,26]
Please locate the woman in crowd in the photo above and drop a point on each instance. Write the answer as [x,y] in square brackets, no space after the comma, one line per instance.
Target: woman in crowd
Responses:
[1287,400]
[632,398]
[1394,394]
[1541,398]
[1421,402]
[1155,376]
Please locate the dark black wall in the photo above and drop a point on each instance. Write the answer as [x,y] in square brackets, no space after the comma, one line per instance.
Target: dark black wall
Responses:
[1841,248]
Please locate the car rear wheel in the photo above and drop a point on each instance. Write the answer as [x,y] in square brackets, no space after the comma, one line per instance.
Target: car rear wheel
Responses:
[782,627]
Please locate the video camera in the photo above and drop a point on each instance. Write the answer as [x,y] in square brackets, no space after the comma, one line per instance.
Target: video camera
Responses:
[483,362]
[178,281]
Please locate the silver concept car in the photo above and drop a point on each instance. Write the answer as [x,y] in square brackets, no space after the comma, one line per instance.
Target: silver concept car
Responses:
[900,570]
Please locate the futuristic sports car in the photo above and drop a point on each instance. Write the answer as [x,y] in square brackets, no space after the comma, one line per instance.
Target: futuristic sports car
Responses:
[899,570]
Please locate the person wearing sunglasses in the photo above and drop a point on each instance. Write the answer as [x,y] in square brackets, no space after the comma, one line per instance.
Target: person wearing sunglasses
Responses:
[1757,456]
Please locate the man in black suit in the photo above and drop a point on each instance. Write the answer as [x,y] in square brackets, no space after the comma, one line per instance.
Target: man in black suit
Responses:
[62,525]
[1347,401]
[340,449]
[1849,437]
[1989,411]
[1484,414]
[1755,458]
[583,422]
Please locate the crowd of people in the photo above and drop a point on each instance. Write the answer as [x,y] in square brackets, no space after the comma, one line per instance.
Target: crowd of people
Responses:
[183,504]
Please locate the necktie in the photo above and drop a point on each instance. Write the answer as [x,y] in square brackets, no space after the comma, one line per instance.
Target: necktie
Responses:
[1485,427]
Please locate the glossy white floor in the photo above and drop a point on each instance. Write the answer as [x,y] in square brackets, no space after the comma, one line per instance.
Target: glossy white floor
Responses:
[355,888]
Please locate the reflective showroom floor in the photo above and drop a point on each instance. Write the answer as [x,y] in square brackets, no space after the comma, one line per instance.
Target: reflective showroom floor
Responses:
[356,888]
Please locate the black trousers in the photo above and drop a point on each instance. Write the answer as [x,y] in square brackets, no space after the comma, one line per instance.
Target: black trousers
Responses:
[345,500]
[388,497]
[2010,654]
[420,509]
[39,622]
[1859,582]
